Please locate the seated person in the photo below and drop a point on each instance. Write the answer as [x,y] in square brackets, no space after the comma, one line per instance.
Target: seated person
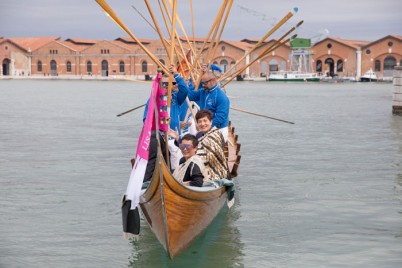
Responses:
[191,167]
[211,146]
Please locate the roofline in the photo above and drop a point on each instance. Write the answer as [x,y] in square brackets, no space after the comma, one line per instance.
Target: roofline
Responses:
[381,39]
[333,39]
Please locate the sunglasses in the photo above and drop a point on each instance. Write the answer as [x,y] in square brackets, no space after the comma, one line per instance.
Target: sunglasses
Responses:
[185,146]
[206,82]
[165,84]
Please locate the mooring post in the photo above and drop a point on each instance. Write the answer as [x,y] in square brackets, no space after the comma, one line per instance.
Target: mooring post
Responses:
[397,96]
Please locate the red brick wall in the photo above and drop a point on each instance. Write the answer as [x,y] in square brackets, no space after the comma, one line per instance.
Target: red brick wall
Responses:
[379,51]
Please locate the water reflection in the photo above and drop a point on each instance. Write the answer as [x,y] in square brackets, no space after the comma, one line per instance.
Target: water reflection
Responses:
[219,246]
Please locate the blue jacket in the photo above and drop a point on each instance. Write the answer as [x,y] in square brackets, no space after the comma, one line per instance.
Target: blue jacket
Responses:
[214,100]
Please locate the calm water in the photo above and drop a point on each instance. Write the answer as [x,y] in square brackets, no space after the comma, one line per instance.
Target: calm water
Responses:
[325,192]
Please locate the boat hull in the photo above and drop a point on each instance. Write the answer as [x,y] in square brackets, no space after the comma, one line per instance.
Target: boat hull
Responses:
[177,214]
[293,77]
[366,79]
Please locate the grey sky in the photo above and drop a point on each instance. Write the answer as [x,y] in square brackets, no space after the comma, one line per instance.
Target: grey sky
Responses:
[349,19]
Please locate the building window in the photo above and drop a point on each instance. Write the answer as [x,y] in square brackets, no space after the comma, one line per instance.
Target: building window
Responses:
[6,47]
[53,67]
[339,66]
[377,66]
[329,45]
[223,48]
[89,66]
[53,51]
[368,51]
[389,63]
[121,64]
[39,66]
[105,68]
[224,65]
[318,66]
[162,61]
[390,44]
[273,65]
[68,64]
[144,66]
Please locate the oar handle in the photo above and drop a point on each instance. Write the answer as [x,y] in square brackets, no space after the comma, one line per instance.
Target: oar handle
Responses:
[129,111]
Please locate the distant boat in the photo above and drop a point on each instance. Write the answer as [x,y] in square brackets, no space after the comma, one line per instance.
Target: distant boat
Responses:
[300,64]
[369,76]
[293,76]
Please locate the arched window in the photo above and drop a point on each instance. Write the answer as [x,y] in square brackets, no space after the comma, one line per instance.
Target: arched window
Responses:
[234,69]
[53,67]
[68,66]
[121,65]
[39,66]
[318,66]
[400,63]
[224,65]
[144,66]
[273,66]
[339,66]
[389,64]
[6,67]
[377,66]
[105,68]
[162,61]
[89,66]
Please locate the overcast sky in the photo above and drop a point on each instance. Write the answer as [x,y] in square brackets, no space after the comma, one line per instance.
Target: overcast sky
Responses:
[348,19]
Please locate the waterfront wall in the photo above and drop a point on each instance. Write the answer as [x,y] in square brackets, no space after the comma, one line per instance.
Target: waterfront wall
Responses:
[397,95]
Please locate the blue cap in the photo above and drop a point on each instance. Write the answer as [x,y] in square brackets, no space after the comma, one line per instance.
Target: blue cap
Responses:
[215,67]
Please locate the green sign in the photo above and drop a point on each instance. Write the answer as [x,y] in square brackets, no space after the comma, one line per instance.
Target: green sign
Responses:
[300,43]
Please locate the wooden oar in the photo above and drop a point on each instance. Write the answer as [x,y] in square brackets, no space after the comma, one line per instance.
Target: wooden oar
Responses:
[108,10]
[261,115]
[129,111]
[259,43]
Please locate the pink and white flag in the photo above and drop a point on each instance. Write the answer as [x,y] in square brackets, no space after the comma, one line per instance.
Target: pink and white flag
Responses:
[137,174]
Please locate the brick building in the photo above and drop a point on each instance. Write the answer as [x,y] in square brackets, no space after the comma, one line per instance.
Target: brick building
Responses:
[123,57]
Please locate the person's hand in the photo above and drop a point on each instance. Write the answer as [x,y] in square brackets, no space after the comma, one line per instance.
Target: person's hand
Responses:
[172,69]
[204,68]
[174,134]
[183,124]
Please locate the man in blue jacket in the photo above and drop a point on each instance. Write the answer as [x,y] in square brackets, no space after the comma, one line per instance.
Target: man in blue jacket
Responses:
[209,97]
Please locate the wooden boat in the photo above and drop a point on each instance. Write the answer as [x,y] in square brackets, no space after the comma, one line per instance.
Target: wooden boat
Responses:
[177,214]
[293,76]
